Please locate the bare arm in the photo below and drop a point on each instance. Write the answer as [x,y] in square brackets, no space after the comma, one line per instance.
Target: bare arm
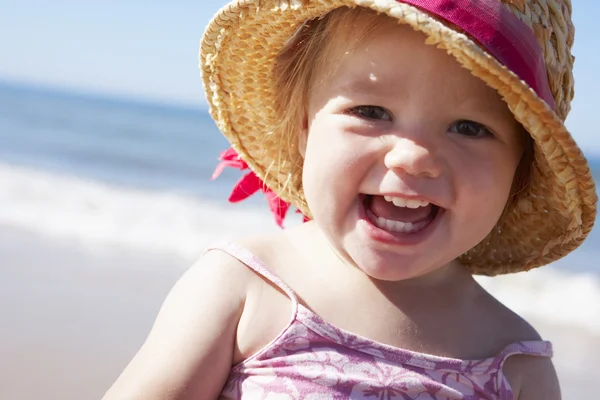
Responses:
[188,353]
[534,378]
[541,382]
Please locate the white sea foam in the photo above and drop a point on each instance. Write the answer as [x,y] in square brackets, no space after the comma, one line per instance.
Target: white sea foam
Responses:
[100,214]
[551,295]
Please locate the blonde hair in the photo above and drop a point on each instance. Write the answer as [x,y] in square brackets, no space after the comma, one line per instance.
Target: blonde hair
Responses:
[308,50]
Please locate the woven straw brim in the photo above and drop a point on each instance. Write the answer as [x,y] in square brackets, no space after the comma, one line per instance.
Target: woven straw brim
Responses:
[552,216]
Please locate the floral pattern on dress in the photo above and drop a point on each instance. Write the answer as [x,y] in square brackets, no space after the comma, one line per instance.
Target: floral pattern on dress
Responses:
[314,360]
[330,364]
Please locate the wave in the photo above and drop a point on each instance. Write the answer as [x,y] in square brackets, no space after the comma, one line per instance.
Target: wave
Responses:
[102,214]
[550,295]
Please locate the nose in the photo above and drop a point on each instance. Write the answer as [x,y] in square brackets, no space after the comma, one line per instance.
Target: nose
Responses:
[413,159]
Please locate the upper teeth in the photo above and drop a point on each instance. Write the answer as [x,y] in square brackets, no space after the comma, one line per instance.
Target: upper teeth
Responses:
[400,202]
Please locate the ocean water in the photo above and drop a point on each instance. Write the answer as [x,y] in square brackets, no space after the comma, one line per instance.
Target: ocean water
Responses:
[111,172]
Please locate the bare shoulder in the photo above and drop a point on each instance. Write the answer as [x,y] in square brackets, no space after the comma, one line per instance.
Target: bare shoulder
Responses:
[189,350]
[531,377]
[279,251]
[502,324]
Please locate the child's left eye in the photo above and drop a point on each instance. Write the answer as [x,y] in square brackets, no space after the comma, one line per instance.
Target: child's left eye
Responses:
[470,129]
[371,113]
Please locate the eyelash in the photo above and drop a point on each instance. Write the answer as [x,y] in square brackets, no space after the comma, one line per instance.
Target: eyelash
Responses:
[482,130]
[359,112]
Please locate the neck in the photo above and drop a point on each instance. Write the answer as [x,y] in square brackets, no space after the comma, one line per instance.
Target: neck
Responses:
[451,283]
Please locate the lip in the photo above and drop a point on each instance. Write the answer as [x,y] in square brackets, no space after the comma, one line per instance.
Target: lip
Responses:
[397,238]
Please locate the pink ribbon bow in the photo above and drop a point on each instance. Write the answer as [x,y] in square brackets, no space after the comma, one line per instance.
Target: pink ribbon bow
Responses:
[249,184]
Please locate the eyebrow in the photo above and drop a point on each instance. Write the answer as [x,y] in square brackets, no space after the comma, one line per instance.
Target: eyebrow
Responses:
[370,86]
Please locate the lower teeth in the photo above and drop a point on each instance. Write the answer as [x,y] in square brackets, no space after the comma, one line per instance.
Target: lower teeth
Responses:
[397,226]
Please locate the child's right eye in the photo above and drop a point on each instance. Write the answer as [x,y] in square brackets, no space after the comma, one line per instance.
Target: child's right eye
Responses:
[371,113]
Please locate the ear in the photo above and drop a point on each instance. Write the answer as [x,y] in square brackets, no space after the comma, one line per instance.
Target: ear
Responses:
[303,134]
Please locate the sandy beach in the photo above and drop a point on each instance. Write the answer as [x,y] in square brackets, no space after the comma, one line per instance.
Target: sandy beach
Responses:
[73,316]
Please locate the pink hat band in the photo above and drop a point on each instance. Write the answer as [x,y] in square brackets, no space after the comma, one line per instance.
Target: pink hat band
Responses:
[501,34]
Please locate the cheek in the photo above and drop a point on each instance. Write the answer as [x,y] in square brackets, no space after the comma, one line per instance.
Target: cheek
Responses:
[318,170]
[329,166]
[330,148]
[334,166]
[486,184]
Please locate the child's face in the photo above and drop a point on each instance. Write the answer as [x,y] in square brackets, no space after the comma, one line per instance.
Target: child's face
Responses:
[394,119]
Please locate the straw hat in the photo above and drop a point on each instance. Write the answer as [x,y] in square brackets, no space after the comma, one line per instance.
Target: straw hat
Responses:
[555,212]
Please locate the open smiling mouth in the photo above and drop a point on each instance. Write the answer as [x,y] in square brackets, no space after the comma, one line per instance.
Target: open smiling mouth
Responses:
[398,215]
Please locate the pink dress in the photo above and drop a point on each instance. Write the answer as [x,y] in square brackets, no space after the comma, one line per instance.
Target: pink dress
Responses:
[313,360]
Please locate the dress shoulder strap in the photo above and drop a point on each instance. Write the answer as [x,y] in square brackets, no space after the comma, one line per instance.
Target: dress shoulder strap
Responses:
[256,264]
[540,348]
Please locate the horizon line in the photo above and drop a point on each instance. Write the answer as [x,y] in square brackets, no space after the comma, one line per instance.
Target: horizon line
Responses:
[67,90]
[147,101]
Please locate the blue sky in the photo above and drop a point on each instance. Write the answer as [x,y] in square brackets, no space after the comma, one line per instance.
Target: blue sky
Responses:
[148,49]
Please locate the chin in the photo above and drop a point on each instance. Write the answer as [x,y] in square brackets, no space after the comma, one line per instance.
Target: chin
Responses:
[392,267]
